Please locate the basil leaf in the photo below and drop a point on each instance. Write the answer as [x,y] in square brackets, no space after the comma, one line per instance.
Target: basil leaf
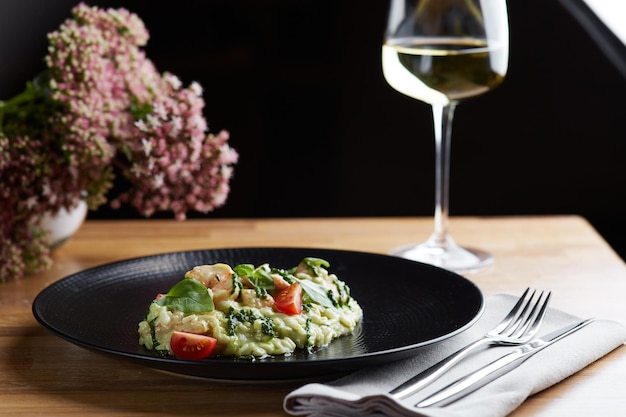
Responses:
[259,277]
[317,292]
[262,279]
[188,296]
[312,262]
[244,270]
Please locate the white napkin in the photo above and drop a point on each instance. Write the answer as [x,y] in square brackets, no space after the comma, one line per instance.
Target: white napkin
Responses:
[364,393]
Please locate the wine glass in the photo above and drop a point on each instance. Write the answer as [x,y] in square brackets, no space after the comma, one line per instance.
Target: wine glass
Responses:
[443,52]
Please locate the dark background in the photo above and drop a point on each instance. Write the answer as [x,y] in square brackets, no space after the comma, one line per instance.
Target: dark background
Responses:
[298,83]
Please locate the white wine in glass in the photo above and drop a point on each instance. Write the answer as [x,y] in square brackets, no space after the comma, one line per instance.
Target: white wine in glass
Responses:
[442,52]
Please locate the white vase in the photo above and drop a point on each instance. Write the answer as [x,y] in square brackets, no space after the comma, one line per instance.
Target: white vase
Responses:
[62,225]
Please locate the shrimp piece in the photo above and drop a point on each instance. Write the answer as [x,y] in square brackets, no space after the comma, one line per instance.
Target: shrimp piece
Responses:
[279,282]
[218,278]
[304,268]
[211,275]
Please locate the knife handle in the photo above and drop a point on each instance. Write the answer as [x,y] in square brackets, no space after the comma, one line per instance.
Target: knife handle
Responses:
[497,368]
[477,379]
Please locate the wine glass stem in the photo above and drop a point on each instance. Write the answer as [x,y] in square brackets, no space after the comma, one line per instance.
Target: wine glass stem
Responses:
[442,118]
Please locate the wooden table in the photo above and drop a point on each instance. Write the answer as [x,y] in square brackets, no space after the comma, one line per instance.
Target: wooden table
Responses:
[42,374]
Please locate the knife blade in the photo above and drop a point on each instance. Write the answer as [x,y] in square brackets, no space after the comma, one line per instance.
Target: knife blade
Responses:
[499,367]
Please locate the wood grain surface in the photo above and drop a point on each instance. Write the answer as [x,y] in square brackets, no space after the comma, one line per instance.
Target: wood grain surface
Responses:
[41,374]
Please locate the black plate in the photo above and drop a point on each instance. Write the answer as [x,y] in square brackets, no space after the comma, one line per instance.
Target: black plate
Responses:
[406,305]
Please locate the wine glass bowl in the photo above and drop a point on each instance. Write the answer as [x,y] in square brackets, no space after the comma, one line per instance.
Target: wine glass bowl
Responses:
[443,52]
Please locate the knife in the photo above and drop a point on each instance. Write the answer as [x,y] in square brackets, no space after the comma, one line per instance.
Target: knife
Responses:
[499,367]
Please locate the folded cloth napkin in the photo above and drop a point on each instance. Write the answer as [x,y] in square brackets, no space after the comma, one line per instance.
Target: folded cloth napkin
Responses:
[365,392]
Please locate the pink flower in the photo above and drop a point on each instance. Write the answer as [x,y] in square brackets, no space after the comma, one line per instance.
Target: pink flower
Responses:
[100,108]
[177,165]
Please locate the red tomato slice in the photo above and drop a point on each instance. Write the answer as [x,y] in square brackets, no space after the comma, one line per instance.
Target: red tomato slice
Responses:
[191,346]
[289,300]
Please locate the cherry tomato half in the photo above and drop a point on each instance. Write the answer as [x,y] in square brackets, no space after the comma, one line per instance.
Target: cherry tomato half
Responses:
[191,346]
[289,300]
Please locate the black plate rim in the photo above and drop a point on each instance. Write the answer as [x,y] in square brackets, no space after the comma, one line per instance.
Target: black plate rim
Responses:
[168,364]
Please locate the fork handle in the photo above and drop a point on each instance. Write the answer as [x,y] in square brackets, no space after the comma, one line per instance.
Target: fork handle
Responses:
[427,376]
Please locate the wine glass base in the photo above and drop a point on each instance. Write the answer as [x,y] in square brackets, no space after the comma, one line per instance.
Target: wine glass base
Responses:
[454,257]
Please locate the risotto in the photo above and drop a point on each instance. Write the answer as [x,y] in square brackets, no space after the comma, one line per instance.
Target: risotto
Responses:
[249,311]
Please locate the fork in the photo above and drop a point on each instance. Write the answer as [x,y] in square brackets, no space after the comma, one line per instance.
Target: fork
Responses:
[518,327]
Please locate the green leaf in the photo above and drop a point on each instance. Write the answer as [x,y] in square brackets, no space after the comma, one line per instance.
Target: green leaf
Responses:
[260,278]
[316,292]
[139,110]
[312,262]
[244,270]
[188,296]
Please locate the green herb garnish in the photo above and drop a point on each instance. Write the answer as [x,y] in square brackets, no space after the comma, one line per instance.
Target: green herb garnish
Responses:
[245,315]
[260,278]
[315,292]
[314,263]
[188,296]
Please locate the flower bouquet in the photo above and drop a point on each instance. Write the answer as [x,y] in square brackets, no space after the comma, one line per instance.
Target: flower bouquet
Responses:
[99,109]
